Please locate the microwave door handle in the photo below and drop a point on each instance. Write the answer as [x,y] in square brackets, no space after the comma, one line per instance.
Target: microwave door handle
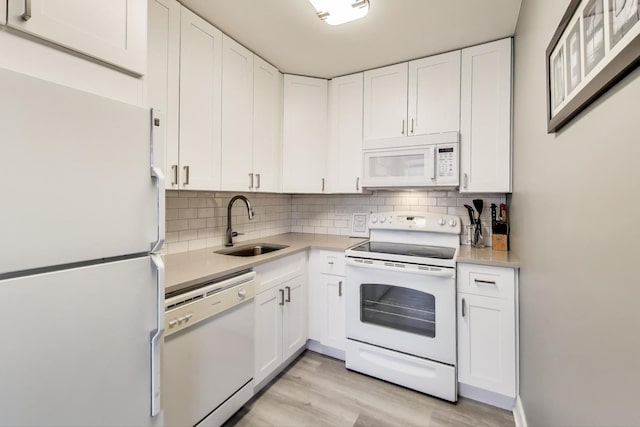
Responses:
[435,161]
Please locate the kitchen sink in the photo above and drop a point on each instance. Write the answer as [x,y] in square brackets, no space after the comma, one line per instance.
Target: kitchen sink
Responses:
[252,250]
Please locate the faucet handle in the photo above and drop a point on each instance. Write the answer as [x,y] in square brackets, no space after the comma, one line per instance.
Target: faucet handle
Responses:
[235,233]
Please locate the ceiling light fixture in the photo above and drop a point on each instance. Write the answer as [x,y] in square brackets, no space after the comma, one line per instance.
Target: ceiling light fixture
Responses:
[336,12]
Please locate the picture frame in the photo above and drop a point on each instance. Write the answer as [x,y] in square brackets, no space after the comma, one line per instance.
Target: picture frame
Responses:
[360,225]
[595,46]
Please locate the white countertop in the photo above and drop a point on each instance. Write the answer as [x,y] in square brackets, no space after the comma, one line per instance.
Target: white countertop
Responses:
[189,268]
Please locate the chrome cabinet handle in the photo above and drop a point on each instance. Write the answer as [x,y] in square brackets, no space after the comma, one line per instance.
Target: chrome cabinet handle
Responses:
[281,296]
[186,175]
[463,307]
[322,185]
[340,288]
[258,179]
[250,181]
[466,181]
[357,183]
[411,125]
[174,169]
[402,127]
[288,288]
[27,10]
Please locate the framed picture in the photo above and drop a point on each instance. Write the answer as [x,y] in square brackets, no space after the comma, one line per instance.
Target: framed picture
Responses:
[596,44]
[360,225]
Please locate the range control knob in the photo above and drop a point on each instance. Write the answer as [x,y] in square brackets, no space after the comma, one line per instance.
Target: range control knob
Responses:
[442,221]
[242,294]
[374,219]
[383,218]
[453,222]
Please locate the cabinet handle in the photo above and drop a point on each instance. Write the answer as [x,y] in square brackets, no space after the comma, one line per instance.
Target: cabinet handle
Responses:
[288,288]
[186,175]
[402,127]
[485,282]
[174,168]
[27,10]
[258,180]
[340,288]
[412,125]
[322,185]
[250,181]
[466,181]
[464,303]
[357,183]
[281,296]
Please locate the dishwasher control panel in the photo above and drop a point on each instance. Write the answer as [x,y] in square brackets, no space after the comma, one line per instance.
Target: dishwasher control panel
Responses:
[195,306]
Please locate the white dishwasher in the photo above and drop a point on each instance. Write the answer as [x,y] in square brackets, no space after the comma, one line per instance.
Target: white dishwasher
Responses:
[209,351]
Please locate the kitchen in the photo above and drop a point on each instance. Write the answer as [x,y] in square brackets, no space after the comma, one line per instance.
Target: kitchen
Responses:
[564,233]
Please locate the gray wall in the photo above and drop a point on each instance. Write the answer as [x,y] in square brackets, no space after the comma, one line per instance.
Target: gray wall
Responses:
[576,221]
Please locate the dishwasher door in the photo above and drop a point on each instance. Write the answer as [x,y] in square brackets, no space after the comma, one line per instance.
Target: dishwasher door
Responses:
[206,363]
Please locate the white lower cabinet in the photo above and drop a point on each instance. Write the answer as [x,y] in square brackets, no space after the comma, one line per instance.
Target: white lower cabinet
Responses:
[487,327]
[280,314]
[327,323]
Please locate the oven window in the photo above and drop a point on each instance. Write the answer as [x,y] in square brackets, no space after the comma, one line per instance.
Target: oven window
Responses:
[398,308]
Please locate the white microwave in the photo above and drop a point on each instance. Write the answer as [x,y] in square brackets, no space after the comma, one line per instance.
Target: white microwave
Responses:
[430,165]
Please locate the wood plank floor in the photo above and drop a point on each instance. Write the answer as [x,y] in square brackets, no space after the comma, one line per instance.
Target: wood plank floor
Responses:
[319,391]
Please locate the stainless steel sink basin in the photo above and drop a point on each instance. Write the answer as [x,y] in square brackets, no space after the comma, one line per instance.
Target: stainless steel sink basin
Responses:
[252,250]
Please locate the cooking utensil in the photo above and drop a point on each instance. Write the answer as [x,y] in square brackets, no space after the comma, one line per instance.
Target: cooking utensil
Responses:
[493,217]
[479,204]
[471,214]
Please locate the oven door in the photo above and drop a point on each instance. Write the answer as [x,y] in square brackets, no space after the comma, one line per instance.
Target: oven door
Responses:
[404,309]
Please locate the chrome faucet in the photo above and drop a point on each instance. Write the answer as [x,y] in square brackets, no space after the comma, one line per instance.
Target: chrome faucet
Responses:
[230,233]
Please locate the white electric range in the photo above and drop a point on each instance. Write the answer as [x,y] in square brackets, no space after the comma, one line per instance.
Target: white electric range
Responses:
[400,297]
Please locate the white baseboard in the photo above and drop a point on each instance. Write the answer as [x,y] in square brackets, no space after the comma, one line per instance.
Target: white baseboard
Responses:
[316,347]
[518,413]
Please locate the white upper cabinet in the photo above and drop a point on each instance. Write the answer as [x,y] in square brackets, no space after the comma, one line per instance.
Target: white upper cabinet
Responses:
[200,103]
[267,126]
[420,97]
[237,117]
[304,135]
[3,12]
[112,31]
[485,116]
[385,102]
[162,80]
[344,154]
[434,94]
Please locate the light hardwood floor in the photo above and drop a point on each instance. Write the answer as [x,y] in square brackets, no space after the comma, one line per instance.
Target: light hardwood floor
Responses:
[319,391]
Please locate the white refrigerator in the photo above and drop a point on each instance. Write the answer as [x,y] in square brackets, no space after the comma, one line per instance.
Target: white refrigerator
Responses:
[81,289]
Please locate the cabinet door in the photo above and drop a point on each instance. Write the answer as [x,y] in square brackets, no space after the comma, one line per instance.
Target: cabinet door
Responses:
[334,330]
[344,160]
[267,126]
[305,134]
[385,102]
[485,118]
[113,31]
[294,320]
[3,12]
[268,333]
[486,343]
[200,103]
[434,94]
[163,77]
[237,117]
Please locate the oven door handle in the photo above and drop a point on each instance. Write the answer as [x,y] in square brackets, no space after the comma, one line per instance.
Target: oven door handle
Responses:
[445,272]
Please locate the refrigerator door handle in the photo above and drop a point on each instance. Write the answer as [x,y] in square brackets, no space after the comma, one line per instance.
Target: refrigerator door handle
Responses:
[156,340]
[157,142]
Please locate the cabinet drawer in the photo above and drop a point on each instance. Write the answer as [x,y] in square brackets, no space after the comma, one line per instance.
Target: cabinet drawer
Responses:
[331,262]
[275,272]
[497,282]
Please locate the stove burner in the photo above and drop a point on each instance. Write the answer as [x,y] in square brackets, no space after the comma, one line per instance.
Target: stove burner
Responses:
[419,251]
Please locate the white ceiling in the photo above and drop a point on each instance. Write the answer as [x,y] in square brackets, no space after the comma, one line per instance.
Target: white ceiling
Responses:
[288,34]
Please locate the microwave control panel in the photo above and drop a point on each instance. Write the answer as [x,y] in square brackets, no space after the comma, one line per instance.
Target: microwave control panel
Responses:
[447,164]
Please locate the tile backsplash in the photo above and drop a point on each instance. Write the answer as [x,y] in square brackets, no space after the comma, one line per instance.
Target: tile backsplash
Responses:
[197,220]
